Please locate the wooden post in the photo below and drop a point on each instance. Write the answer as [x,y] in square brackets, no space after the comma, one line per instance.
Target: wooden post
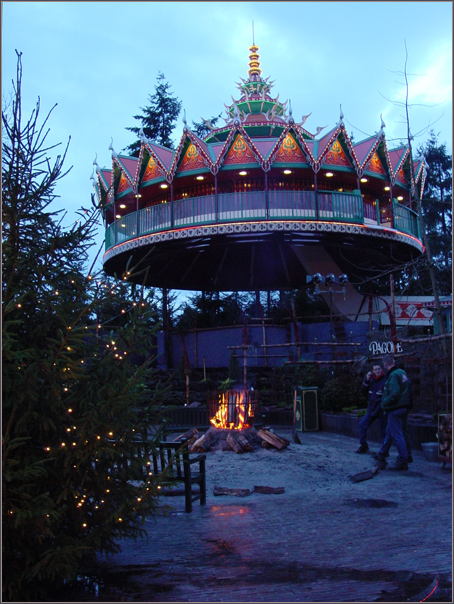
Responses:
[115,221]
[171,206]
[264,340]
[204,371]
[216,199]
[165,327]
[196,364]
[244,352]
[244,368]
[317,213]
[267,199]
[393,310]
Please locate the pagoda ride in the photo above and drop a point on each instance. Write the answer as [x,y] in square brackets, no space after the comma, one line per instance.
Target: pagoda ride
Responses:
[259,203]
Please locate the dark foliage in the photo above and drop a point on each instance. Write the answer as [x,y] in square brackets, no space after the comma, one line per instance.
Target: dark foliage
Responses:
[74,388]
[158,118]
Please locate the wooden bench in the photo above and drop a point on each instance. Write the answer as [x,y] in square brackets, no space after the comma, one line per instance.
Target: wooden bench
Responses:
[173,463]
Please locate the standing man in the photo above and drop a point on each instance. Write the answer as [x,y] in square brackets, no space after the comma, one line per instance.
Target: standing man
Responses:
[373,384]
[395,402]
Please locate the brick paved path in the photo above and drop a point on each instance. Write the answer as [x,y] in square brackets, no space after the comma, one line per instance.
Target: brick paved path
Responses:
[325,539]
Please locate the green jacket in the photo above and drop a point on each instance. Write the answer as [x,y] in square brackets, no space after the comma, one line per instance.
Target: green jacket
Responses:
[396,393]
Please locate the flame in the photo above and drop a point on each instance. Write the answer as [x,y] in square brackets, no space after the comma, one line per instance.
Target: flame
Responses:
[231,413]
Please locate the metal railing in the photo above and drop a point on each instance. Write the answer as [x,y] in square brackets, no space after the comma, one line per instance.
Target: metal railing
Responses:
[406,220]
[251,206]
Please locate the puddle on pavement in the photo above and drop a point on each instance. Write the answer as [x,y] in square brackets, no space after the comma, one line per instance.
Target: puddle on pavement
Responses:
[151,583]
[372,503]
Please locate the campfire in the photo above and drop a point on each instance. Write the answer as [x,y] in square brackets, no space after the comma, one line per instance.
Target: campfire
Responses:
[231,414]
[232,409]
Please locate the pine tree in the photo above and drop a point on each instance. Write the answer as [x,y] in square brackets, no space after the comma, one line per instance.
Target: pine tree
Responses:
[158,118]
[436,206]
[202,128]
[74,391]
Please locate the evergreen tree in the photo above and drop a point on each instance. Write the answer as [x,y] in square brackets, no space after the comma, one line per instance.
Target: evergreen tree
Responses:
[209,309]
[158,118]
[202,129]
[74,393]
[436,206]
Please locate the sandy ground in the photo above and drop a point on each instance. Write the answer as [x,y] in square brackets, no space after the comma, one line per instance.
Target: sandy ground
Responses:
[320,463]
[325,539]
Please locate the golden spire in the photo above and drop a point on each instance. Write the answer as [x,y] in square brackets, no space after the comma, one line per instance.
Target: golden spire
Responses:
[254,63]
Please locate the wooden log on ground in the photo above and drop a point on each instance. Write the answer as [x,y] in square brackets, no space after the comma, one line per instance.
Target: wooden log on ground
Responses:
[269,490]
[197,444]
[227,491]
[274,435]
[271,439]
[284,440]
[242,441]
[210,435]
[235,445]
[187,435]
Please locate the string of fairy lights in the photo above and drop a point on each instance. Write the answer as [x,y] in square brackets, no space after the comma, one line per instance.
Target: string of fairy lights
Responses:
[393,166]
[256,89]
[73,440]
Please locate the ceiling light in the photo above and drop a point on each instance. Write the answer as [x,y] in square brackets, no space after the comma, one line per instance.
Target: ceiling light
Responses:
[363,179]
[118,216]
[329,174]
[400,198]
[164,186]
[122,206]
[200,177]
[243,173]
[387,189]
[287,171]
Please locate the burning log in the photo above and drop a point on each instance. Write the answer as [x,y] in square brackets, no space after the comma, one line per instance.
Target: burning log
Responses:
[232,409]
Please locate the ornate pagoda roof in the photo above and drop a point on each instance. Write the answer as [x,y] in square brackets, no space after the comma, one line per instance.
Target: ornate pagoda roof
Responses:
[265,128]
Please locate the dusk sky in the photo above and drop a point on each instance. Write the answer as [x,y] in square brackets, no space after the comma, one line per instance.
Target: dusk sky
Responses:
[99,61]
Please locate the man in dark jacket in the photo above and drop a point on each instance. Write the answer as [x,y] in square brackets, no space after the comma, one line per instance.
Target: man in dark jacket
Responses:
[395,402]
[373,384]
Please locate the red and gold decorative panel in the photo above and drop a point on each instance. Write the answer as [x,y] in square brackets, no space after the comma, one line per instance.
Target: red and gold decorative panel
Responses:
[124,184]
[289,152]
[240,153]
[152,171]
[375,165]
[415,310]
[336,156]
[401,177]
[192,160]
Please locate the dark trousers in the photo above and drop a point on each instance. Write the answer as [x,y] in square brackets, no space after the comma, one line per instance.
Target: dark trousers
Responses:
[394,434]
[386,443]
[367,422]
